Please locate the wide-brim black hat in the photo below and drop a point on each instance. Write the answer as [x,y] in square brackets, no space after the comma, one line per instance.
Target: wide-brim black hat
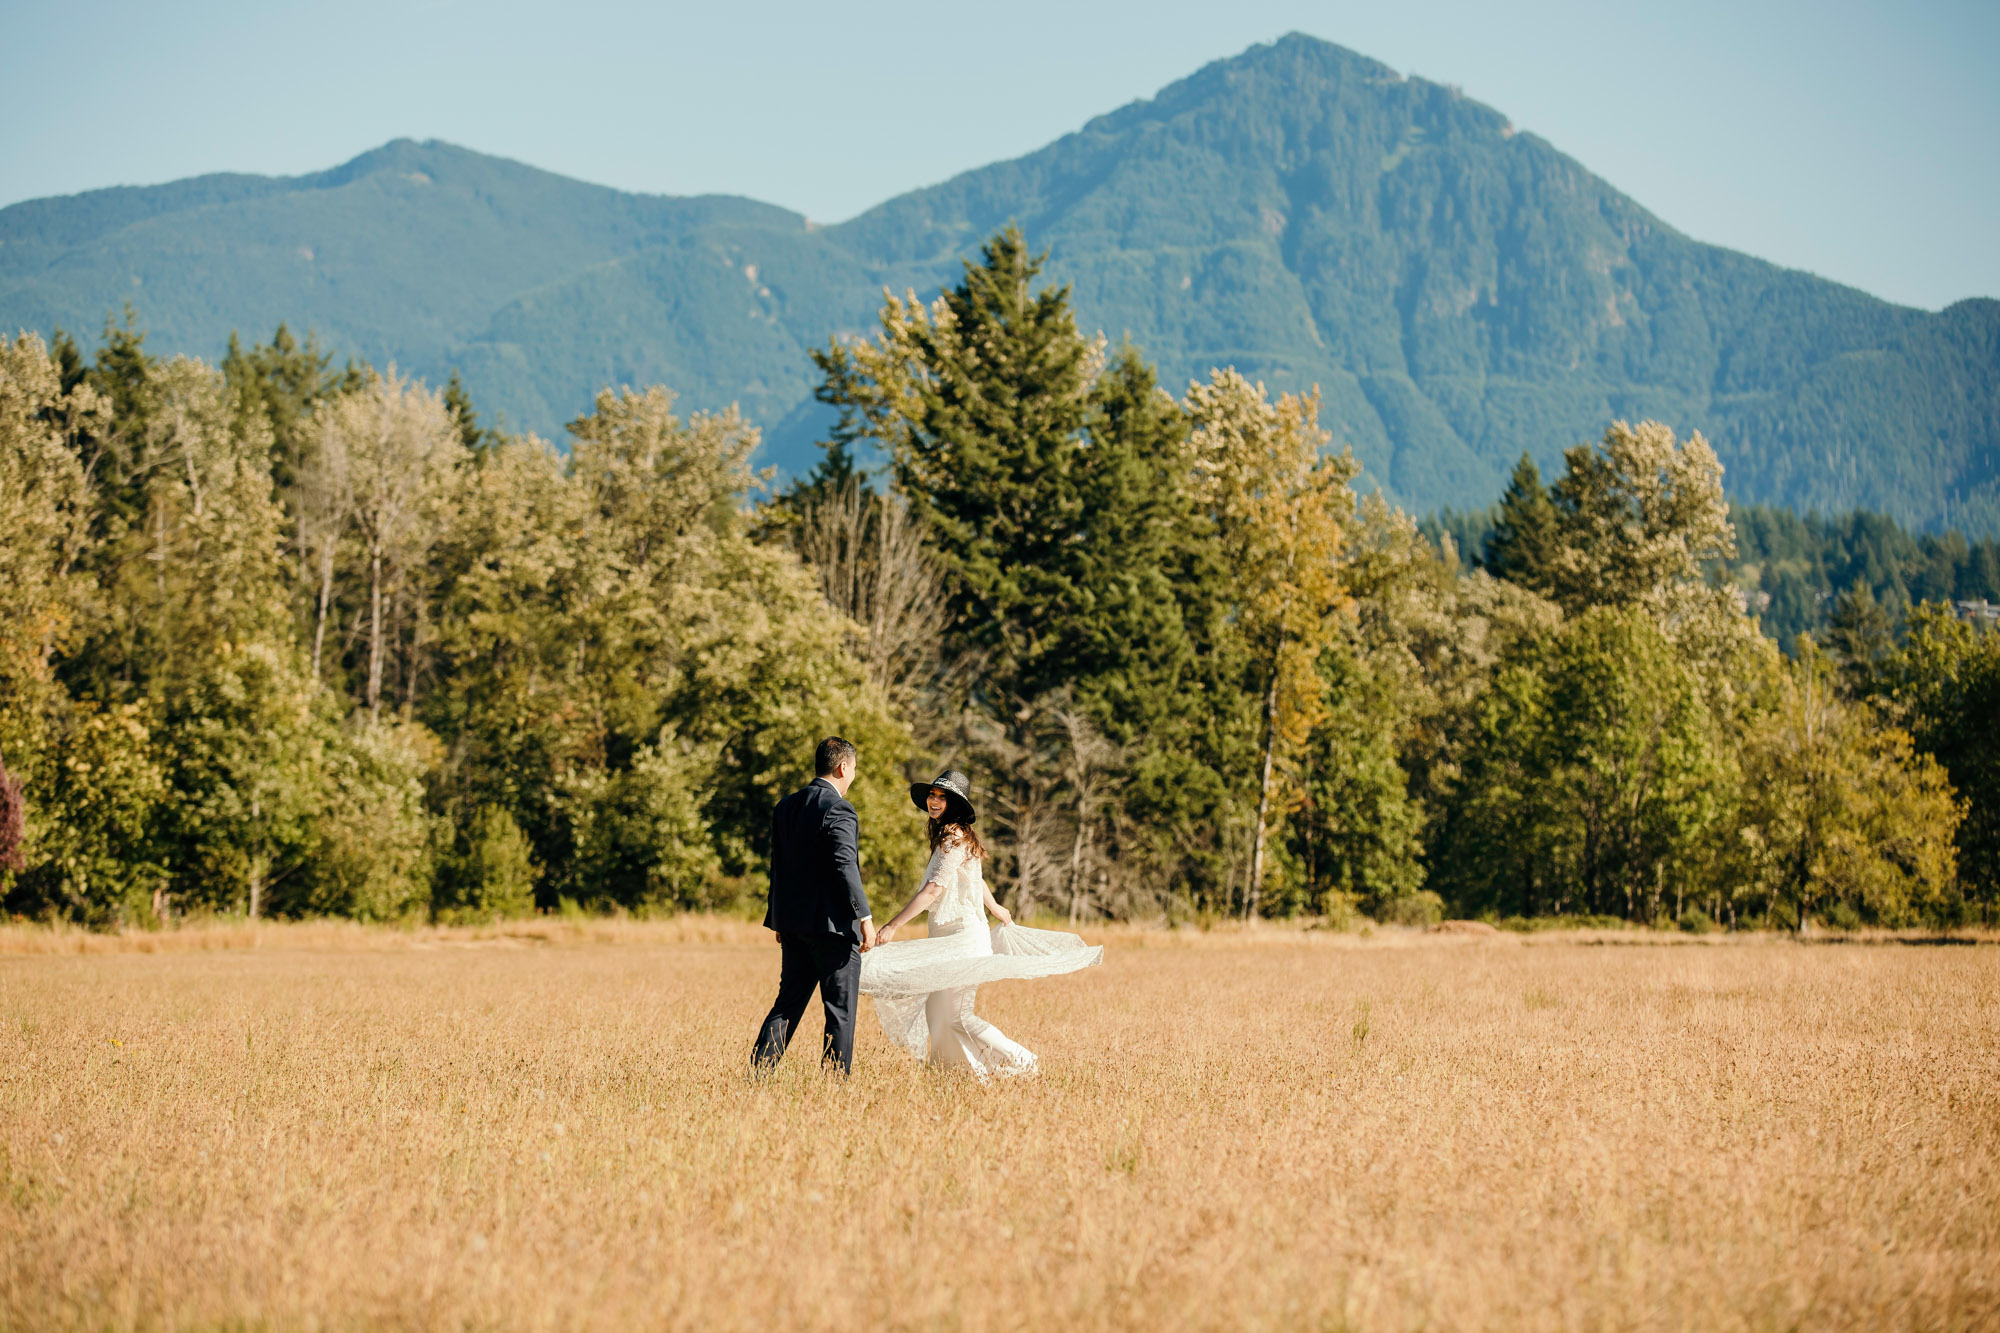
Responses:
[957,789]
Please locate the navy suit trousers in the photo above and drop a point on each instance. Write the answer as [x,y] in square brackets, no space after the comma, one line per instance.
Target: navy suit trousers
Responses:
[832,965]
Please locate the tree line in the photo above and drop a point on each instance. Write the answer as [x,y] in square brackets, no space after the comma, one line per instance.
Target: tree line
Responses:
[1810,573]
[278,637]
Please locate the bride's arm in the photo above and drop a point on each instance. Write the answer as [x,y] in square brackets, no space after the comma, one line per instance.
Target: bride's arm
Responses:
[993,907]
[923,899]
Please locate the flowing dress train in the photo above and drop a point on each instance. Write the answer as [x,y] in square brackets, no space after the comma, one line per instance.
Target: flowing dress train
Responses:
[924,989]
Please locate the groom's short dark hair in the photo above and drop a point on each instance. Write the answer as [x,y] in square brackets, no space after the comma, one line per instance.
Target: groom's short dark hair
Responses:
[831,754]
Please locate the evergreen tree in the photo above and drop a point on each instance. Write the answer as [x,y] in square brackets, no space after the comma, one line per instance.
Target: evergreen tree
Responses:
[1047,491]
[112,449]
[277,385]
[478,440]
[1861,635]
[993,389]
[121,371]
[1127,645]
[68,357]
[1521,548]
[845,387]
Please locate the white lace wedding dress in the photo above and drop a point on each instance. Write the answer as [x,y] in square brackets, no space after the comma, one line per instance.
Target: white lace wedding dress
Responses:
[923,989]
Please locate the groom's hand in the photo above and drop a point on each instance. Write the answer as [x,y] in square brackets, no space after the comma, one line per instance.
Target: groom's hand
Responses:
[867,934]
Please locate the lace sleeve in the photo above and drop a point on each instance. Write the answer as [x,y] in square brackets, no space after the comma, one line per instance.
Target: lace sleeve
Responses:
[945,864]
[956,899]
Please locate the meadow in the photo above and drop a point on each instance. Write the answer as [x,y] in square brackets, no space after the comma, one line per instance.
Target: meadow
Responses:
[550,1127]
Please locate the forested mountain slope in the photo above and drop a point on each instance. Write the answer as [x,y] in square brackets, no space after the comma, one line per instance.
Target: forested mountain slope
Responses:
[1461,291]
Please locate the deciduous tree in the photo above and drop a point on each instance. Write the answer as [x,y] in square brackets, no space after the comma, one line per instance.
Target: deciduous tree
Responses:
[1281,509]
[1593,777]
[1840,813]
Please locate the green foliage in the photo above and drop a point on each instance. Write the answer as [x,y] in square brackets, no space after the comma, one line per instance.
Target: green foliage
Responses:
[1840,815]
[1357,832]
[629,675]
[246,743]
[1861,636]
[1638,518]
[478,440]
[372,858]
[1046,488]
[272,634]
[490,874]
[1279,511]
[1800,570]
[44,514]
[1134,555]
[274,640]
[1521,545]
[276,386]
[981,403]
[1594,777]
[1802,573]
[92,791]
[1945,684]
[1422,908]
[641,840]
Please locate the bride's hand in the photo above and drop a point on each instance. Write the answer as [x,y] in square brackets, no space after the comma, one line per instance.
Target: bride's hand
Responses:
[884,935]
[1003,916]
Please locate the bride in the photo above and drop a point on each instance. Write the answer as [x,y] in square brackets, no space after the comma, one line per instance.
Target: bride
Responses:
[923,989]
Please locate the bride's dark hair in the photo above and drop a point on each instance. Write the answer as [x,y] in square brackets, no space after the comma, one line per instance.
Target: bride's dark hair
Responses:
[950,830]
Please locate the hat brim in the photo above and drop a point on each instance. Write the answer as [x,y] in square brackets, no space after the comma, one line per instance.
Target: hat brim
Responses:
[956,808]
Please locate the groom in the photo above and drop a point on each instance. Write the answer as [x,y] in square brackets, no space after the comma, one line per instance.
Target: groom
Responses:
[817,908]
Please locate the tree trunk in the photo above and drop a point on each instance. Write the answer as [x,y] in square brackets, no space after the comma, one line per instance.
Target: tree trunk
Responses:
[256,867]
[325,602]
[375,633]
[1021,737]
[1026,826]
[1076,858]
[1256,886]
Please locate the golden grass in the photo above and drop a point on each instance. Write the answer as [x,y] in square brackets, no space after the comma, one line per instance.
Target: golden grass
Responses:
[19,938]
[549,1126]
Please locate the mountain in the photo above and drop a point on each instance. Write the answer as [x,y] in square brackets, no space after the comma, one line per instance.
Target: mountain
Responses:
[1460,291]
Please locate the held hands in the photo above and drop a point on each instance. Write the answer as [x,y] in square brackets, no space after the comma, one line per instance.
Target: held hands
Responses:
[869,939]
[887,933]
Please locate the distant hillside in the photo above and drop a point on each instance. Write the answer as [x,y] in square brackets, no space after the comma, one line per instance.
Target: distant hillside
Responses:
[1460,291]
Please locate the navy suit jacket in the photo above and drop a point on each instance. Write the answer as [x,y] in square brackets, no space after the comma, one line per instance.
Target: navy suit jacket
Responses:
[816,865]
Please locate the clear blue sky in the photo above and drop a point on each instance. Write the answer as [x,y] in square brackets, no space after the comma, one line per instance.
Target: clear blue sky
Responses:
[1860,141]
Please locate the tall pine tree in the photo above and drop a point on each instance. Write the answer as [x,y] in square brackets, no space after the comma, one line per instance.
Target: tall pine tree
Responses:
[985,403]
[1048,488]
[1522,545]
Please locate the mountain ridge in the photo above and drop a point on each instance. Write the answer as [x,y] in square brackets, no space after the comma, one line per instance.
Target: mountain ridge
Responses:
[1459,289]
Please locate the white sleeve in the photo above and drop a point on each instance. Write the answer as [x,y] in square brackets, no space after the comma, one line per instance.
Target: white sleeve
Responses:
[945,864]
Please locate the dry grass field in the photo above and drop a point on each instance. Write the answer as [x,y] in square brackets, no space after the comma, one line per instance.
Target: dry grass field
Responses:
[327,1127]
